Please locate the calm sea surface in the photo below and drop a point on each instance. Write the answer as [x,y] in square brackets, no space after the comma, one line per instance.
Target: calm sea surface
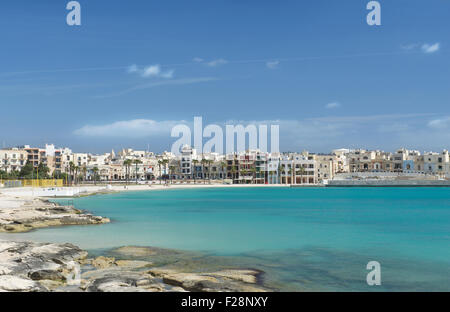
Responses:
[302,238]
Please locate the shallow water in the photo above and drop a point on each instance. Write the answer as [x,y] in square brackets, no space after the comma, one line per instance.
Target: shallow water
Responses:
[303,238]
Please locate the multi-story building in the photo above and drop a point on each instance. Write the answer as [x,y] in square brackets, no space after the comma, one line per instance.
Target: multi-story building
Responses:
[326,166]
[436,163]
[273,166]
[12,159]
[187,155]
[297,169]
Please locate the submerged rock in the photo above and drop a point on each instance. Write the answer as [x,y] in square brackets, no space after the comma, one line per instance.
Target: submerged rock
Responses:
[103,262]
[227,280]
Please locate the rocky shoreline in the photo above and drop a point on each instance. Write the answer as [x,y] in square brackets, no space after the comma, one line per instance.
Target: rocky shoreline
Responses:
[23,215]
[31,266]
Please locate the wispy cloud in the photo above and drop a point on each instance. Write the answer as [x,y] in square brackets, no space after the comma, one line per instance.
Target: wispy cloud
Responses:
[174,82]
[426,48]
[132,69]
[410,46]
[272,64]
[152,71]
[430,48]
[217,62]
[440,123]
[333,105]
[198,60]
[136,128]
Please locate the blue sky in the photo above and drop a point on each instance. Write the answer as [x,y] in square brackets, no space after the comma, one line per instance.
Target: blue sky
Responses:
[135,68]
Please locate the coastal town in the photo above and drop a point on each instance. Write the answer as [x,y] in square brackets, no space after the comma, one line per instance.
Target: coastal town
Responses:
[249,167]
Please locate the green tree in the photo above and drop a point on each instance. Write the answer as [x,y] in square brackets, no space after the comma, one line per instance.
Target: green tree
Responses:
[95,172]
[127,163]
[71,172]
[223,165]
[42,171]
[171,172]
[136,162]
[195,162]
[203,162]
[27,171]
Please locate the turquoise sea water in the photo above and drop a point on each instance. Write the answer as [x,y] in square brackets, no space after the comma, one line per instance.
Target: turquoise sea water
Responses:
[303,238]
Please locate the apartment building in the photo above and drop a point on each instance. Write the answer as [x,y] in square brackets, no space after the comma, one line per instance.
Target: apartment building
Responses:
[12,159]
[436,163]
[297,169]
[326,166]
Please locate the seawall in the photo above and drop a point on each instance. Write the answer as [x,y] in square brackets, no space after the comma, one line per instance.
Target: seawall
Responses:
[388,183]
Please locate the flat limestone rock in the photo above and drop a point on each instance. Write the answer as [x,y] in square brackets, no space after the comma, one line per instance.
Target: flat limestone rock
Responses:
[247,276]
[227,280]
[136,251]
[16,283]
[103,262]
[133,263]
[19,215]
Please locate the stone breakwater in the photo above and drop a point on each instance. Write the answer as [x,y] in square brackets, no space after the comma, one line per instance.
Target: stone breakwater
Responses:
[26,214]
[29,267]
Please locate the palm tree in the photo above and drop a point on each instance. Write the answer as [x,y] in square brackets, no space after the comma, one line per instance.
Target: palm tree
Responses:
[76,168]
[71,170]
[203,162]
[280,170]
[294,174]
[243,172]
[165,162]
[94,171]
[127,163]
[137,162]
[171,171]
[209,163]
[195,162]
[253,171]
[233,172]
[160,163]
[290,174]
[84,169]
[302,172]
[223,165]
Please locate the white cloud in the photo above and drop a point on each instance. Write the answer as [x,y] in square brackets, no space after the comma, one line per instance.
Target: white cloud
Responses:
[333,105]
[136,128]
[154,84]
[152,71]
[272,64]
[168,74]
[430,48]
[410,46]
[440,123]
[132,69]
[217,62]
[198,60]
